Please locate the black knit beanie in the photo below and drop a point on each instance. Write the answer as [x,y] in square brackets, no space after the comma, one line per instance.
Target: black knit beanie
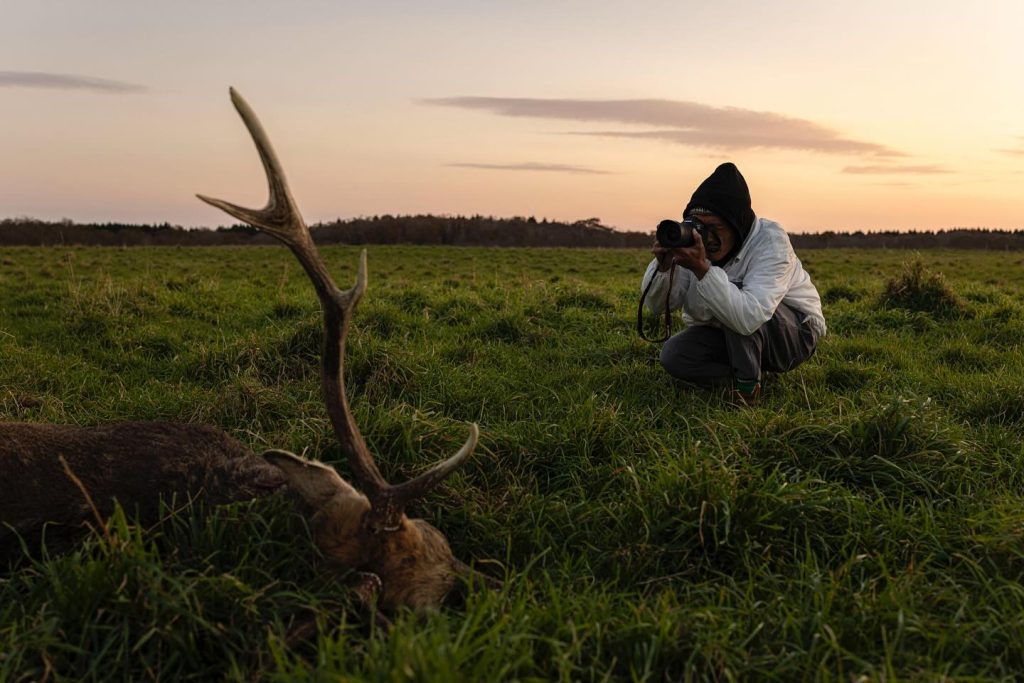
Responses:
[725,194]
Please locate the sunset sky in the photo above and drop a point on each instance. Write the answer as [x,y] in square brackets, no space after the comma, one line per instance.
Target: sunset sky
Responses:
[905,114]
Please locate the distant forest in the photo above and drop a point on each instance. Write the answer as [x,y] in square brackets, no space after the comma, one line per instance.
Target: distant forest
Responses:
[462,230]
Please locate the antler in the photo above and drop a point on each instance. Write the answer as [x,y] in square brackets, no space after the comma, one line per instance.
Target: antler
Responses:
[281,219]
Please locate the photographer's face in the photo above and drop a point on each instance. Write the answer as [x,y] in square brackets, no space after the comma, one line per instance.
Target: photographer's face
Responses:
[719,239]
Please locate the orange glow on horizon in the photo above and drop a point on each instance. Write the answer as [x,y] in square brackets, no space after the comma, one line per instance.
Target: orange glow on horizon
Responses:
[839,121]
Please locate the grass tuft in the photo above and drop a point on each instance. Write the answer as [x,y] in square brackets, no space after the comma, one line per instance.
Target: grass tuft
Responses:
[919,289]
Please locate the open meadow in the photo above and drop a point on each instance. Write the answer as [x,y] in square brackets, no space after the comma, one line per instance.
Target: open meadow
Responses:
[865,519]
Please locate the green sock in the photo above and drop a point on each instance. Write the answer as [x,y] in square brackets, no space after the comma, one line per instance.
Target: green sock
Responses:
[746,386]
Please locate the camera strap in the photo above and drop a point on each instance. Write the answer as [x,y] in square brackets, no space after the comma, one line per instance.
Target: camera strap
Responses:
[668,313]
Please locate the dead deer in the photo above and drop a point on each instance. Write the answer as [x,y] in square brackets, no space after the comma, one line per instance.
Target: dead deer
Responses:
[404,562]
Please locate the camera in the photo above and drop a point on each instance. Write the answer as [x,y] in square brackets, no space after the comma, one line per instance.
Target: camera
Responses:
[672,234]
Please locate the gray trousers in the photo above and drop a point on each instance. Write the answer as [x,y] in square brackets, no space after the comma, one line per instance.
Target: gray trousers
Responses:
[716,356]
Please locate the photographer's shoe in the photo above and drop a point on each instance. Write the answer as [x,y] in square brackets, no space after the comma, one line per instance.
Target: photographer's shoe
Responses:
[746,393]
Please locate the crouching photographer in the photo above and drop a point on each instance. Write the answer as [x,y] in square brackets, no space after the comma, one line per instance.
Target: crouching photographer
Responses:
[748,305]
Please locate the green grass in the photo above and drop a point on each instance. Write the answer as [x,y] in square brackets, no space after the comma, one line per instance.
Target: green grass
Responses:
[865,520]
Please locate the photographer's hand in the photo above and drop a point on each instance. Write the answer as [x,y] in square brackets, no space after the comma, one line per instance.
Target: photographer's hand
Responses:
[694,258]
[663,255]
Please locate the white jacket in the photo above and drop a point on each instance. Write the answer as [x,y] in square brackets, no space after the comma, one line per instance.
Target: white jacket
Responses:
[743,294]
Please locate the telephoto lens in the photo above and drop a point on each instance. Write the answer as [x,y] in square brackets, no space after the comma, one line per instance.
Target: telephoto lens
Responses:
[672,234]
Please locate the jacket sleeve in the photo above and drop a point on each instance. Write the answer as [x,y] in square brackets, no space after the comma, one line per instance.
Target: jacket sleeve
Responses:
[764,286]
[655,301]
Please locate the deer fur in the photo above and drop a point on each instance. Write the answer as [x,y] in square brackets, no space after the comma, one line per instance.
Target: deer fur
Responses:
[135,463]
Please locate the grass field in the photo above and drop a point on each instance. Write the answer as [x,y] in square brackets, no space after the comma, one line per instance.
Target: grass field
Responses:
[865,519]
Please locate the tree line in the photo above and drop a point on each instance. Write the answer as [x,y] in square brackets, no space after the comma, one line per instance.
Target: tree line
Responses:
[387,229]
[464,231]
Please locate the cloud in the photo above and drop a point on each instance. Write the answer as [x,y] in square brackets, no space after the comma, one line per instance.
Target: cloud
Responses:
[39,79]
[531,166]
[1014,151]
[924,169]
[680,122]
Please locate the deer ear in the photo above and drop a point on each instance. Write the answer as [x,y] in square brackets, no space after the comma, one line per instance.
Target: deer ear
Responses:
[314,482]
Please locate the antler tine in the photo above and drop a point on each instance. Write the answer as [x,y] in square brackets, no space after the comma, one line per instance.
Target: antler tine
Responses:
[409,491]
[281,219]
[388,505]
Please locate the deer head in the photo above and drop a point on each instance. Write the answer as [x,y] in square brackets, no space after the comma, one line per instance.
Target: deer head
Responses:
[365,531]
